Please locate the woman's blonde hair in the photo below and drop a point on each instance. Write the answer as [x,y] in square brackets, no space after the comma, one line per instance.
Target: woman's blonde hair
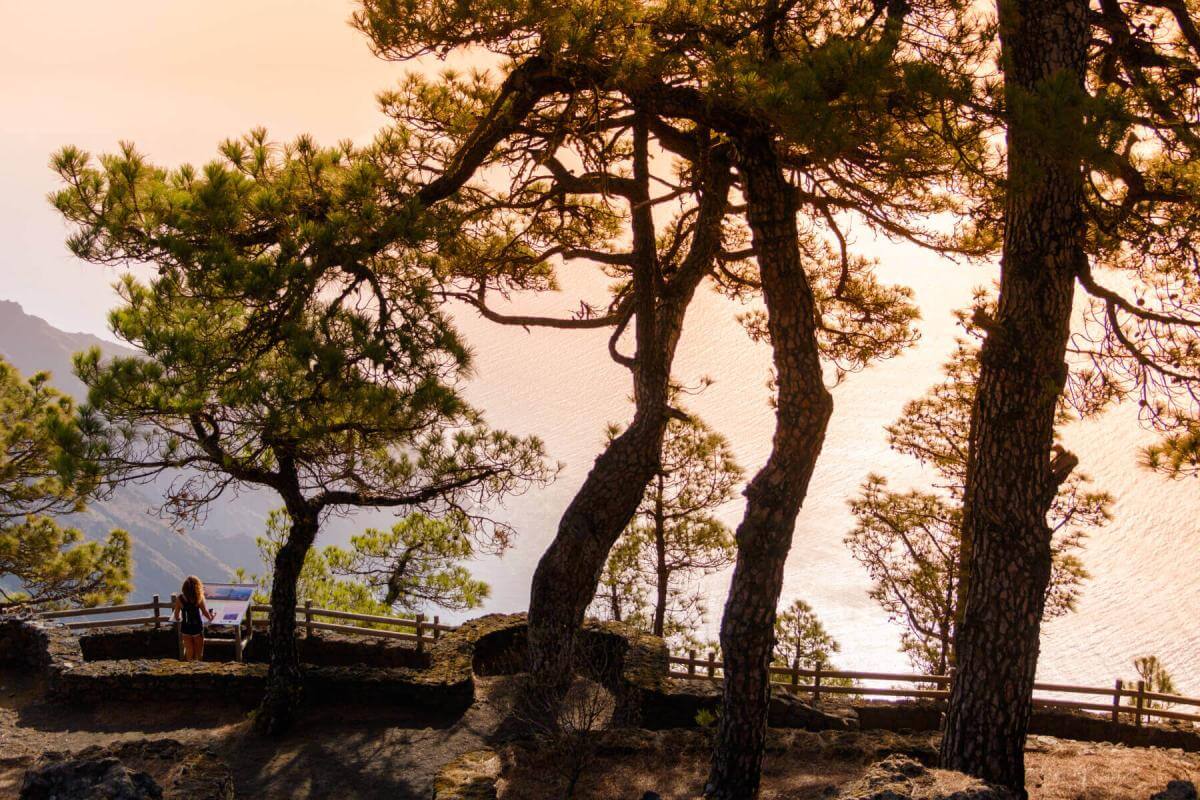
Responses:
[193,590]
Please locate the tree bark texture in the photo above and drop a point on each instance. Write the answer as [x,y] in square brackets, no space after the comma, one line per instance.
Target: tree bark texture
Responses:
[285,681]
[568,572]
[774,496]
[1010,484]
[662,575]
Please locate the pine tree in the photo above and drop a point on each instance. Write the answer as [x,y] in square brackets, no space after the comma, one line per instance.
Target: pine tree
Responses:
[1155,677]
[801,641]
[649,578]
[910,541]
[1098,108]
[46,469]
[351,401]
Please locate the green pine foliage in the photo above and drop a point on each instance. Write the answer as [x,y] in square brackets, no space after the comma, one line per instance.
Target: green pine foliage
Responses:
[400,571]
[348,396]
[1177,454]
[45,469]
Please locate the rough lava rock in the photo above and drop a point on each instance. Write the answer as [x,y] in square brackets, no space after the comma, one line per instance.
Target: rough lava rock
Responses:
[89,779]
[1177,790]
[902,778]
[789,711]
[471,776]
[127,771]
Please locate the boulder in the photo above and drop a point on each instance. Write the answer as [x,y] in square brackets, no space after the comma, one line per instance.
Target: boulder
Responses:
[788,711]
[89,779]
[1177,790]
[903,778]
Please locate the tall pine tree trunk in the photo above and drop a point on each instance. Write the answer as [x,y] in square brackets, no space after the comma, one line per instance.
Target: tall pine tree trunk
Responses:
[568,572]
[1011,480]
[285,681]
[774,496]
[662,575]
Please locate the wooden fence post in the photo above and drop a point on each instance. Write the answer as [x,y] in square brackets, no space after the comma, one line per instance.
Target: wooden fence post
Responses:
[796,671]
[712,664]
[691,662]
[437,627]
[308,630]
[817,684]
[1116,712]
[420,639]
[1141,703]
[157,614]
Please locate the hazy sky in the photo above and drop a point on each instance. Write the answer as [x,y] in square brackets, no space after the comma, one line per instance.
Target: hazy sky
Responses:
[173,77]
[176,78]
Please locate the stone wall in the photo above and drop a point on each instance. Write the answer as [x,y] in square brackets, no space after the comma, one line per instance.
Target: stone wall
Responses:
[322,649]
[1060,723]
[629,663]
[1065,724]
[111,644]
[439,680]
[38,645]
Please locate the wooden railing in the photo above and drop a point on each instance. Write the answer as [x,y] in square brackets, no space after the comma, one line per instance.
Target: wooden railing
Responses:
[309,617]
[161,613]
[415,629]
[1143,704]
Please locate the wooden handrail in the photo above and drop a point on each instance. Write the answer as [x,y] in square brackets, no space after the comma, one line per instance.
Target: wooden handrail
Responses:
[84,612]
[113,623]
[432,627]
[400,622]
[1169,698]
[380,632]
[793,675]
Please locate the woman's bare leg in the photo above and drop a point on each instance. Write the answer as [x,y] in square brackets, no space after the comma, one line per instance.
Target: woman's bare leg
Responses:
[198,643]
[190,648]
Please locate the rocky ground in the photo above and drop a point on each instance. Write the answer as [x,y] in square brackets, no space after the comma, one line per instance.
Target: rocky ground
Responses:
[356,753]
[380,753]
[801,765]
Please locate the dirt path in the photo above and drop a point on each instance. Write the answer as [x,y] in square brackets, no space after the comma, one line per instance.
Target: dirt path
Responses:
[359,753]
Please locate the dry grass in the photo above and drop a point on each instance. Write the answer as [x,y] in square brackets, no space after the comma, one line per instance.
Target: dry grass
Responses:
[1061,770]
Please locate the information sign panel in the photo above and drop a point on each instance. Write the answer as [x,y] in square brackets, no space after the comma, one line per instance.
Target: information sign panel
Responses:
[228,601]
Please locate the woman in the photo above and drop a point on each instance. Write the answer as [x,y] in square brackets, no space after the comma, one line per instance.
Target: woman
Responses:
[190,606]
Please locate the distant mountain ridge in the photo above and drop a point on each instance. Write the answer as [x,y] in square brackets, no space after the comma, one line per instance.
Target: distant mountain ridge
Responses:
[162,555]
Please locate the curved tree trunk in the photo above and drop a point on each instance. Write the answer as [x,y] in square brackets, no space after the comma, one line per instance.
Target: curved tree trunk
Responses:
[568,572]
[774,496]
[1011,479]
[285,681]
